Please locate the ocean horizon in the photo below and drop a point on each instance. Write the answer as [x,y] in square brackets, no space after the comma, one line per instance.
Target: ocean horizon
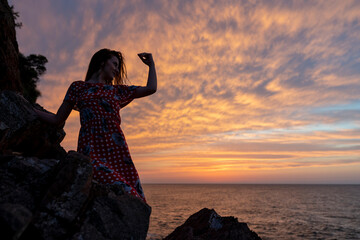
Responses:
[273,211]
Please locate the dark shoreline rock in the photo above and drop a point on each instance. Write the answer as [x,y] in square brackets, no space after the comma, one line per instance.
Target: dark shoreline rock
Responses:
[21,131]
[207,224]
[53,199]
[47,193]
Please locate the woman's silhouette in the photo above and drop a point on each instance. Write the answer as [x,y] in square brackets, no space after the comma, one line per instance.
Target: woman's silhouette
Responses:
[99,99]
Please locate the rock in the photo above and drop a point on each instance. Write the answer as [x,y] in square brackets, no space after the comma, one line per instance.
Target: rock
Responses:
[9,50]
[14,218]
[207,224]
[21,131]
[24,180]
[71,187]
[116,217]
[66,197]
[57,199]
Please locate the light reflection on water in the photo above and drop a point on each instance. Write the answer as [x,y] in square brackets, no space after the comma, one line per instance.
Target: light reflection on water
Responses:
[272,211]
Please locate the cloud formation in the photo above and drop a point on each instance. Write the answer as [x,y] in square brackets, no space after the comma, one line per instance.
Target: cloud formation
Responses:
[250,87]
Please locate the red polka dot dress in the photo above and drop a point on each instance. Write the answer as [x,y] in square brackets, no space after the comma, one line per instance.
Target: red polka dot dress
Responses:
[100,135]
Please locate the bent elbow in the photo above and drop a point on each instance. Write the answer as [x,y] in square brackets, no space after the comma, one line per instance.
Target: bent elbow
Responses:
[152,91]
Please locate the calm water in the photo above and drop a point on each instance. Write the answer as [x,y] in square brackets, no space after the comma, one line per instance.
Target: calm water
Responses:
[272,211]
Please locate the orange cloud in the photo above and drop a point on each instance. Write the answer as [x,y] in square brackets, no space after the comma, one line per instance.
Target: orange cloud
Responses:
[241,86]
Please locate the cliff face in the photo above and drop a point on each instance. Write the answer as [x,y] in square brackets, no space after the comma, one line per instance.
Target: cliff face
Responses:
[9,51]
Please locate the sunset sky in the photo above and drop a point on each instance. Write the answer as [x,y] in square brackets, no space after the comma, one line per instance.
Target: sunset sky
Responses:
[248,91]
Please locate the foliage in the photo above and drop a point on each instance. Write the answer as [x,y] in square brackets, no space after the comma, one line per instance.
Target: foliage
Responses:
[31,68]
[15,16]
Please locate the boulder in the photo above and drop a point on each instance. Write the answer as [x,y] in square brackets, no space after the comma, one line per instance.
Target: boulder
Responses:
[58,199]
[116,215]
[24,180]
[21,131]
[207,224]
[14,218]
[66,197]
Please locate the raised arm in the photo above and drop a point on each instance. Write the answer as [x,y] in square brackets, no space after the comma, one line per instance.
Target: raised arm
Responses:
[60,117]
[151,85]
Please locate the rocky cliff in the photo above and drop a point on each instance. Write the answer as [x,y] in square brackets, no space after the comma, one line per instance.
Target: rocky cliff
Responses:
[9,50]
[47,193]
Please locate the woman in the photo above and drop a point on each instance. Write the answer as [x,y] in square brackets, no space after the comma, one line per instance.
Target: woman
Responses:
[99,99]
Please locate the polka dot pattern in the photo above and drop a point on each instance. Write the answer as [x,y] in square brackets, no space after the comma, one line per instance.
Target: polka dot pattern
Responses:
[100,135]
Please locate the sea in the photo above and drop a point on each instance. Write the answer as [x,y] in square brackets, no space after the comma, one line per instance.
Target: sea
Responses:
[272,211]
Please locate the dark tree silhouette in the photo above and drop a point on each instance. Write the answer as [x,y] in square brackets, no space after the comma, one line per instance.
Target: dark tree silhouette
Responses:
[17,72]
[15,16]
[31,68]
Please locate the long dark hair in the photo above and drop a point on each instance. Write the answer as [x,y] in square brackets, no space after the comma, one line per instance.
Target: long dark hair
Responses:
[98,60]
